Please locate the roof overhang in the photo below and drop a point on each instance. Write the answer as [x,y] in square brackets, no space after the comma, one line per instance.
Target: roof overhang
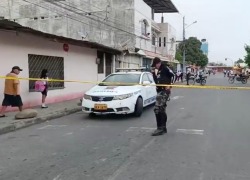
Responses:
[13,26]
[162,6]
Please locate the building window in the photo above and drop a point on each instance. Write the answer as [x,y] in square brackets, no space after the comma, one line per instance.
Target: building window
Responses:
[153,39]
[144,28]
[100,67]
[54,65]
[164,42]
[159,41]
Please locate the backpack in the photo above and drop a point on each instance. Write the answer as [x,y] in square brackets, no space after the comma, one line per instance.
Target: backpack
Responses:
[39,86]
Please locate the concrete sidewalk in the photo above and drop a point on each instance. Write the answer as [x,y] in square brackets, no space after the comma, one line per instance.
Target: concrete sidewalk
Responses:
[55,110]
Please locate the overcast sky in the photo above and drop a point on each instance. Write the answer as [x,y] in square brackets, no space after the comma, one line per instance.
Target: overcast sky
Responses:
[224,23]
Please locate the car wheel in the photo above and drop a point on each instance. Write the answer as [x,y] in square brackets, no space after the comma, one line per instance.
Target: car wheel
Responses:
[91,115]
[138,107]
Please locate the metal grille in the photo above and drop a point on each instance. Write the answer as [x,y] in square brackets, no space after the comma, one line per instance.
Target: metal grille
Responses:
[97,98]
[54,65]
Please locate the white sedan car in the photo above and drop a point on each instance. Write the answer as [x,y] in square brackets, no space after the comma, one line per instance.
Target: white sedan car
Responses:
[121,99]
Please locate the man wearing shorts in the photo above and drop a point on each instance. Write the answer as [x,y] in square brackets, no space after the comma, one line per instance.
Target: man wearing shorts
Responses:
[12,91]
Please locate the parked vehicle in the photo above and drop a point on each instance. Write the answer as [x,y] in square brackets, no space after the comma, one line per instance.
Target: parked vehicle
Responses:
[199,80]
[242,79]
[108,97]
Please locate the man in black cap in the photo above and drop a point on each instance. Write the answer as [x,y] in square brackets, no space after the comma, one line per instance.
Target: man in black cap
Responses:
[164,76]
[12,91]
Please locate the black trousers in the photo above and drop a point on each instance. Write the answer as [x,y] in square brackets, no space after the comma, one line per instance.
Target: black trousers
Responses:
[160,109]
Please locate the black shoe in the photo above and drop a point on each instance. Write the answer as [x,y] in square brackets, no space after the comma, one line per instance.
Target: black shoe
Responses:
[158,132]
[165,130]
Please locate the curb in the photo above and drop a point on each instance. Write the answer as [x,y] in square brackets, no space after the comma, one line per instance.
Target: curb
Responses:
[20,124]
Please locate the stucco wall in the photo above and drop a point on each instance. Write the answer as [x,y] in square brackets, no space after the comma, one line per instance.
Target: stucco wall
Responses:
[79,64]
[142,11]
[71,20]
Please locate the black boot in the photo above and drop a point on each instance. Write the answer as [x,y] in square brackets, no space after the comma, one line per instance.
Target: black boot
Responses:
[165,130]
[158,132]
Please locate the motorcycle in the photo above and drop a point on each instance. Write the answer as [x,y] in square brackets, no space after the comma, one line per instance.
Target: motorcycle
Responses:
[242,79]
[199,80]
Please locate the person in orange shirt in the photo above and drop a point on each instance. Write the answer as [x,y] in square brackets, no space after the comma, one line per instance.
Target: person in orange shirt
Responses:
[12,91]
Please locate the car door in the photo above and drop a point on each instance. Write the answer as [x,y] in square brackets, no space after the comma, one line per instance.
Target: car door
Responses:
[146,89]
[152,87]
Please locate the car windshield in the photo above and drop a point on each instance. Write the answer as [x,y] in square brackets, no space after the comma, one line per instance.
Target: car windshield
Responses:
[121,78]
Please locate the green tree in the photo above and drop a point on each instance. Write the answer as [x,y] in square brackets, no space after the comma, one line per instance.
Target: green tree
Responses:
[247,57]
[240,61]
[193,51]
[178,56]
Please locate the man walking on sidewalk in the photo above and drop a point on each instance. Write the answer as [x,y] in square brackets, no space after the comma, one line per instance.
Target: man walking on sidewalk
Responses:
[163,76]
[12,91]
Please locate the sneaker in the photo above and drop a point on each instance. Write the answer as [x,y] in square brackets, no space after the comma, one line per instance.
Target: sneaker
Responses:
[44,106]
[158,132]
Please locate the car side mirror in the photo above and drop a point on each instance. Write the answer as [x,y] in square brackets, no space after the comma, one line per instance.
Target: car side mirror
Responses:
[146,83]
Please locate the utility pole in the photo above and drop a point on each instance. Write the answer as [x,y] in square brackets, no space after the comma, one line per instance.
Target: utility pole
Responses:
[184,48]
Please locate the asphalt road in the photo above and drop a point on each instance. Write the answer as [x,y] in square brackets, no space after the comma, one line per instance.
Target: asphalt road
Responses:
[208,139]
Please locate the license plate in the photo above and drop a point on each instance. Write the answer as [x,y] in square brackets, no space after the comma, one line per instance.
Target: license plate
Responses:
[100,107]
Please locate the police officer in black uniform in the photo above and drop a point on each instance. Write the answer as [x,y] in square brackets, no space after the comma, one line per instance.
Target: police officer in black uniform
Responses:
[164,76]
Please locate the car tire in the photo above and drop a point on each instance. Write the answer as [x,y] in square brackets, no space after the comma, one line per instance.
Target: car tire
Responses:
[138,107]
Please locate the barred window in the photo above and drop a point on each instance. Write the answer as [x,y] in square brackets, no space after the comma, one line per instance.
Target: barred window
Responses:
[54,65]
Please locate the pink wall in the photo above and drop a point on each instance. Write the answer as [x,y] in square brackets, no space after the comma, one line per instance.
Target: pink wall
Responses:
[79,64]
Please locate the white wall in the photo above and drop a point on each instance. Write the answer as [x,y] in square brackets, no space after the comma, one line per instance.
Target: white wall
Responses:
[79,64]
[142,11]
[169,32]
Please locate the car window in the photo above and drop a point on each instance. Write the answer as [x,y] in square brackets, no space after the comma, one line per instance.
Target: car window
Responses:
[145,78]
[121,78]
[150,77]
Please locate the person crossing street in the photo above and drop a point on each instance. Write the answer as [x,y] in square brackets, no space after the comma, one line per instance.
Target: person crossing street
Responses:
[164,76]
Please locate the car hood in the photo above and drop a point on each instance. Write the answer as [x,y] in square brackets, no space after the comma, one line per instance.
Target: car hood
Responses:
[111,90]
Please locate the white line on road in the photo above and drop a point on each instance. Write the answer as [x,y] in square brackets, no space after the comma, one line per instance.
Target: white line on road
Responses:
[190,131]
[177,97]
[90,126]
[57,177]
[147,129]
[52,126]
[67,134]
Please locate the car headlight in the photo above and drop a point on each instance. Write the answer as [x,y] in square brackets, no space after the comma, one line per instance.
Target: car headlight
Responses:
[87,97]
[124,96]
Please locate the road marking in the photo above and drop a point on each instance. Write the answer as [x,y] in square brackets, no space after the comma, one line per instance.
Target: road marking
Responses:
[190,131]
[70,133]
[177,97]
[201,176]
[57,177]
[182,108]
[147,129]
[52,126]
[234,176]
[89,126]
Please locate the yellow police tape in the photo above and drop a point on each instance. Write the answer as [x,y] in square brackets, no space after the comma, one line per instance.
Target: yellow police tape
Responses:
[117,83]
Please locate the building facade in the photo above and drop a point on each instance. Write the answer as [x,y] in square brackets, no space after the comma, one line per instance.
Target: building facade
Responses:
[65,59]
[125,25]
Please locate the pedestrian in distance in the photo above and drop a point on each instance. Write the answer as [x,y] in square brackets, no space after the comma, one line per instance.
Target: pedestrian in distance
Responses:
[12,91]
[44,75]
[164,76]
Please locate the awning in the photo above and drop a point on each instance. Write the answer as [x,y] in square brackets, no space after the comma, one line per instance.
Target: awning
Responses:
[162,6]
